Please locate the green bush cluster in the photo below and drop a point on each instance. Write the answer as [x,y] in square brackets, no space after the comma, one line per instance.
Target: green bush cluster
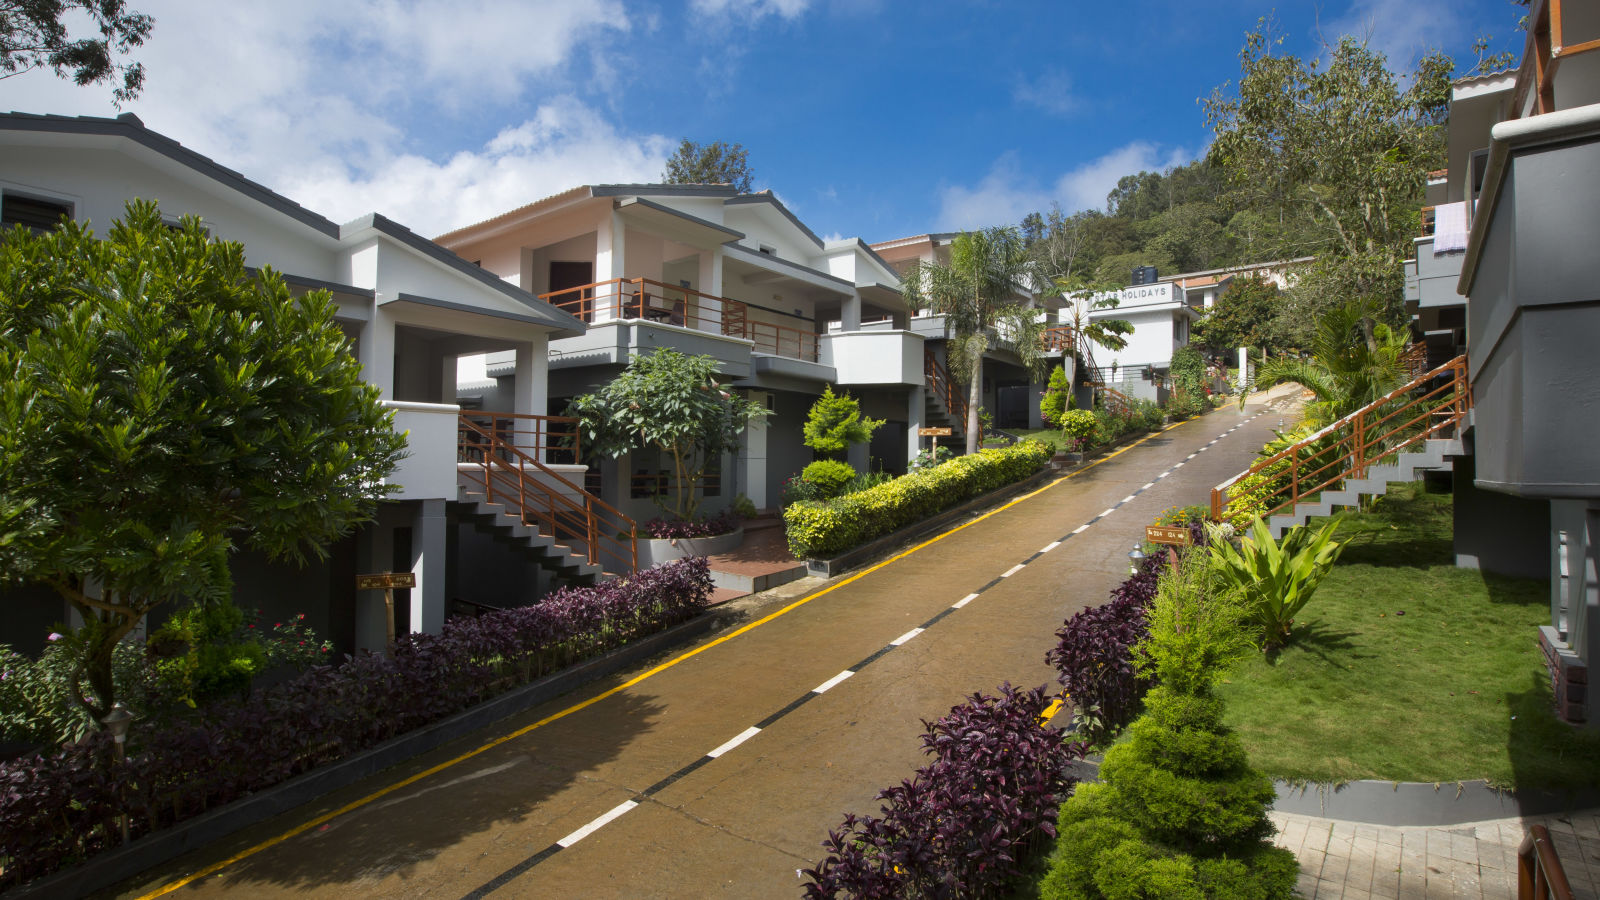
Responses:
[1057,397]
[1079,427]
[819,529]
[1178,812]
[1188,384]
[830,477]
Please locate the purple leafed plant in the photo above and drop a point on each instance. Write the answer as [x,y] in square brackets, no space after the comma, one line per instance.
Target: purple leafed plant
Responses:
[59,808]
[964,825]
[678,529]
[1094,653]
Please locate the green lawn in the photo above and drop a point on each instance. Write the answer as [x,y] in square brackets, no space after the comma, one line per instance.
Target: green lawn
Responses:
[1051,436]
[1406,668]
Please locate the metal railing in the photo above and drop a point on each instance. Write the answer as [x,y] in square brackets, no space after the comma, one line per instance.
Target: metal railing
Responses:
[640,299]
[534,492]
[1430,404]
[1429,218]
[1539,872]
[554,438]
[1114,401]
[1415,359]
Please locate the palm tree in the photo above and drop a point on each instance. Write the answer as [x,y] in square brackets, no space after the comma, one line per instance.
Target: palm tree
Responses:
[981,294]
[1355,359]
[1086,297]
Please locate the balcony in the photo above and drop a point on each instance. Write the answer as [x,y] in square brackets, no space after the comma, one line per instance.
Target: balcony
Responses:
[656,303]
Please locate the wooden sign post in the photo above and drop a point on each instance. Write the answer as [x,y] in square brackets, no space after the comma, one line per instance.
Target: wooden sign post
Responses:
[387,582]
[1172,536]
[934,433]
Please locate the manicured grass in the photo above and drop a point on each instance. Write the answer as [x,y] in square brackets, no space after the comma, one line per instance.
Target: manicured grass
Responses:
[1406,668]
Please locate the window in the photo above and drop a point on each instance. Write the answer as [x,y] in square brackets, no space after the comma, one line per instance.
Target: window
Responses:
[770,251]
[35,213]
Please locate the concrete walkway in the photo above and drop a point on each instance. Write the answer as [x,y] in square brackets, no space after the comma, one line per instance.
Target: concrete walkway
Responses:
[1356,861]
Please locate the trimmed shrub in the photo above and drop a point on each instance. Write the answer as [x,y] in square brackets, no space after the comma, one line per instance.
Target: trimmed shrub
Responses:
[1057,397]
[963,825]
[62,807]
[1178,811]
[828,528]
[1078,427]
[829,476]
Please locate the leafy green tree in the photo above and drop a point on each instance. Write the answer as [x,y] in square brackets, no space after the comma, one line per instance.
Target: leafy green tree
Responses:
[713,163]
[34,35]
[981,293]
[160,405]
[835,422]
[1245,315]
[1338,153]
[672,402]
[1354,361]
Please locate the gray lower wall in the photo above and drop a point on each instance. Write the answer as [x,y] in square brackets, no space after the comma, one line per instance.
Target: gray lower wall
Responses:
[1499,533]
[787,453]
[493,571]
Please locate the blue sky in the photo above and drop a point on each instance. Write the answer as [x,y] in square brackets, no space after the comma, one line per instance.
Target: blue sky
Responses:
[869,118]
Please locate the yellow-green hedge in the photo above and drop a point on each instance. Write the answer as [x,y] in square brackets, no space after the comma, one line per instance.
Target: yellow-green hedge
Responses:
[820,529]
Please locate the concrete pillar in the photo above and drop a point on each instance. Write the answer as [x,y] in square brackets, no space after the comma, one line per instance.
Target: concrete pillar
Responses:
[708,316]
[610,261]
[850,314]
[447,378]
[374,554]
[752,458]
[1586,613]
[530,383]
[1244,366]
[375,349]
[856,455]
[1036,394]
[428,551]
[915,405]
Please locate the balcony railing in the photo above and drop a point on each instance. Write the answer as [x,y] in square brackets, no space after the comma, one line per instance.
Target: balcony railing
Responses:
[554,439]
[640,299]
[1546,48]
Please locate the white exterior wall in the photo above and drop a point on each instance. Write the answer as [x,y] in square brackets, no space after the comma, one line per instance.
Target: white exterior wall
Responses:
[1151,310]
[99,183]
[873,357]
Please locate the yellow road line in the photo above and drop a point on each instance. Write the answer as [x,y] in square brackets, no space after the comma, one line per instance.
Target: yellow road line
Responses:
[434,770]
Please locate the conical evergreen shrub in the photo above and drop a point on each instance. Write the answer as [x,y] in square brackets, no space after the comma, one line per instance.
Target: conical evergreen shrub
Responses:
[1178,812]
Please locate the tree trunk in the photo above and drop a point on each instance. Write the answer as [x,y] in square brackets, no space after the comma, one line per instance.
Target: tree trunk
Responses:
[974,401]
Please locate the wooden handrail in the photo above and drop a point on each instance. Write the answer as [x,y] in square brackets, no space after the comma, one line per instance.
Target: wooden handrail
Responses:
[944,387]
[1059,337]
[1539,872]
[549,436]
[506,478]
[1440,400]
[1115,401]
[668,304]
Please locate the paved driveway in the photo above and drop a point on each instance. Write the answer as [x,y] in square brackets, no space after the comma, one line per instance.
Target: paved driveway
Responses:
[719,771]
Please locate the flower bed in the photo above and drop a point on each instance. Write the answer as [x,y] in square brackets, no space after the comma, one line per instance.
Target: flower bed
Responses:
[61,808]
[827,528]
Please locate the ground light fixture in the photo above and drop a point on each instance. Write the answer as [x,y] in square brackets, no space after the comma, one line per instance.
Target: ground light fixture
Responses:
[117,721]
[1135,560]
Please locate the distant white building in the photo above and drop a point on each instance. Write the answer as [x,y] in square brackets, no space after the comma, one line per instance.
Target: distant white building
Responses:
[1161,318]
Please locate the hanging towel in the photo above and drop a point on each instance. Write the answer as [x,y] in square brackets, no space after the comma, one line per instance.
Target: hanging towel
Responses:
[1449,227]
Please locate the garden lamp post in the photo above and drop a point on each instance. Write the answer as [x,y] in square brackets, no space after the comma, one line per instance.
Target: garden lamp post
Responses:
[1135,560]
[117,721]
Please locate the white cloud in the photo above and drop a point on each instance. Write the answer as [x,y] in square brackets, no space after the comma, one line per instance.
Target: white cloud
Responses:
[564,145]
[1402,32]
[1006,193]
[337,105]
[751,10]
[1051,92]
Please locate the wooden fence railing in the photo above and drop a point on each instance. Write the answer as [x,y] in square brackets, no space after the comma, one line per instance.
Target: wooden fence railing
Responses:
[1539,872]
[1429,405]
[944,387]
[546,500]
[641,299]
[556,438]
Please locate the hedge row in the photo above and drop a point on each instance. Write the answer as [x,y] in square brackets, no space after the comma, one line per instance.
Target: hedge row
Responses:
[59,809]
[820,529]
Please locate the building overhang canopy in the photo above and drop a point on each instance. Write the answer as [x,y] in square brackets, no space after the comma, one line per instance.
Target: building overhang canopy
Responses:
[676,224]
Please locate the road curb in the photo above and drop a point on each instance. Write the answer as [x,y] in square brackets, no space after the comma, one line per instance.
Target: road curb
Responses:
[111,867]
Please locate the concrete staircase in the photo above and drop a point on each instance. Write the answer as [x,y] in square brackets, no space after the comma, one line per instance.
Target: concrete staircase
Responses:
[566,561]
[1429,455]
